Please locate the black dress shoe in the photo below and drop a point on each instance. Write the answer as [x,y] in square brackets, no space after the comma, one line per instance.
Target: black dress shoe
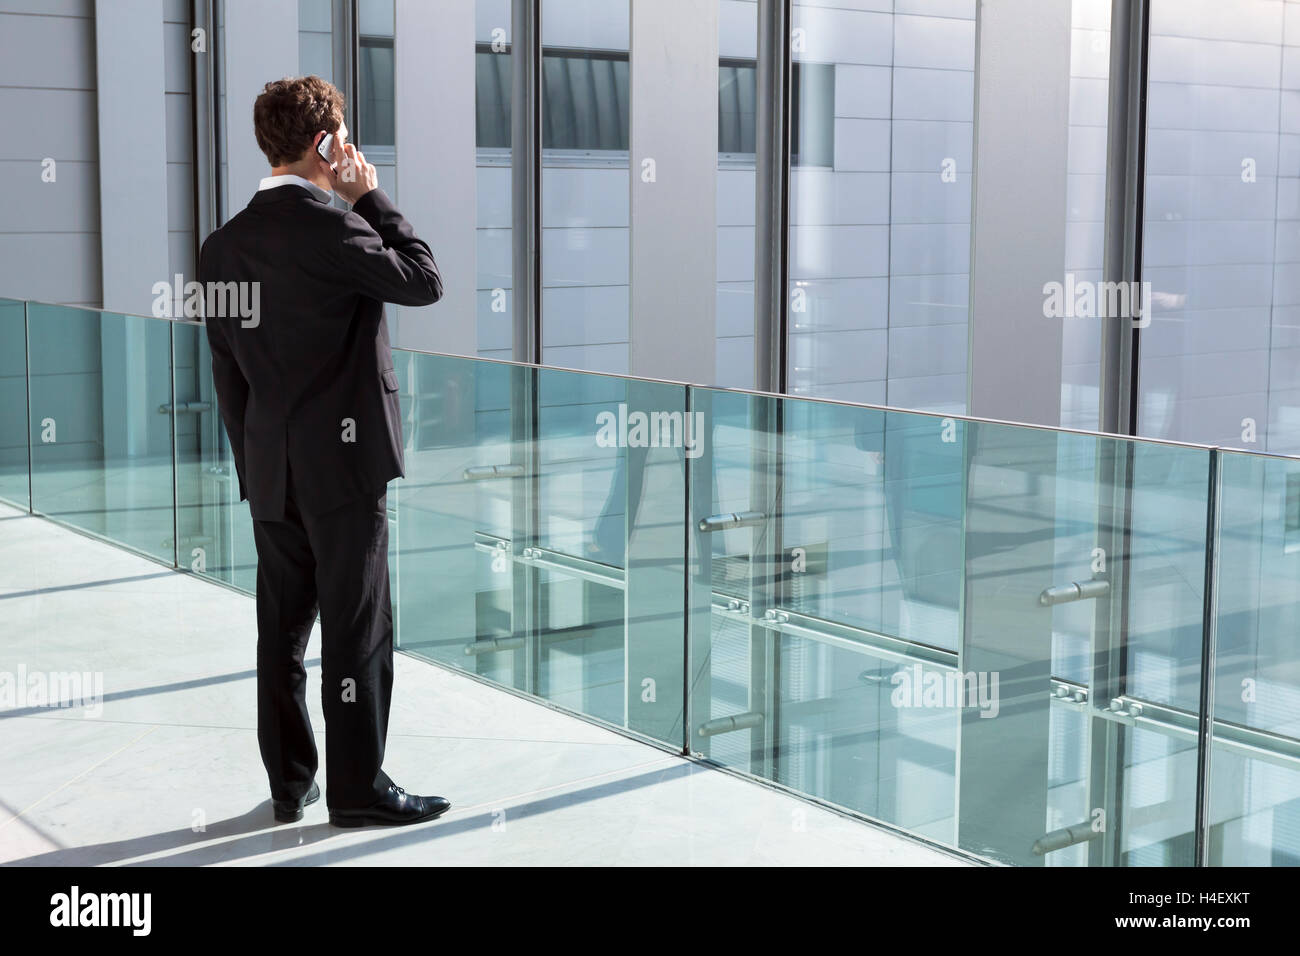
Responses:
[395,808]
[290,811]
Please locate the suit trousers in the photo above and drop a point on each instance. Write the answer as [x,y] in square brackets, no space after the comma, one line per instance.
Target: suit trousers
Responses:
[334,564]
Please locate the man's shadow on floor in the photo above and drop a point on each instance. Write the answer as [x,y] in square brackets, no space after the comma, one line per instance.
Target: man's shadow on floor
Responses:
[258,831]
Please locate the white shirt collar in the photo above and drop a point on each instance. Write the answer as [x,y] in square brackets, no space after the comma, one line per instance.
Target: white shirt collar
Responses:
[286,179]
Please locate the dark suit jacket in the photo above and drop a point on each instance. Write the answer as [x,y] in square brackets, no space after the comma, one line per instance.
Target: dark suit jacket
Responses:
[316,369]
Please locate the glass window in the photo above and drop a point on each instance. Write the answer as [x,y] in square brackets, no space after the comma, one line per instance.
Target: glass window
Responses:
[1085,205]
[586,100]
[880,203]
[378,122]
[585,186]
[737,117]
[812,133]
[1219,361]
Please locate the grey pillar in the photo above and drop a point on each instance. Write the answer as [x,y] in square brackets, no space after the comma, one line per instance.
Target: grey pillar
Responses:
[129,48]
[674,160]
[436,168]
[261,44]
[1022,87]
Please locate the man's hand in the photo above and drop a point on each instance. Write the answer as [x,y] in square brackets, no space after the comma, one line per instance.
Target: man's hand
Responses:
[355,176]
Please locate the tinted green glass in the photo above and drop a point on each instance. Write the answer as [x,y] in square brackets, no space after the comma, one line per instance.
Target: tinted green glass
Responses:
[13,404]
[1255,764]
[540,541]
[101,425]
[990,635]
[1166,606]
[214,526]
[1058,592]
[830,561]
[894,596]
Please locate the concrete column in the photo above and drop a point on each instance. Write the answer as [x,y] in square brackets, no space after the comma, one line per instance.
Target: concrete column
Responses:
[129,49]
[261,44]
[1022,99]
[674,171]
[436,164]
[132,151]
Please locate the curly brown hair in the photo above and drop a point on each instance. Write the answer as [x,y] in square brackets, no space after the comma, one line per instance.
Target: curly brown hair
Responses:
[290,112]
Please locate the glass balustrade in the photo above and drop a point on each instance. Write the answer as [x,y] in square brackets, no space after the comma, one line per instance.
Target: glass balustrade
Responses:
[15,487]
[100,424]
[1038,646]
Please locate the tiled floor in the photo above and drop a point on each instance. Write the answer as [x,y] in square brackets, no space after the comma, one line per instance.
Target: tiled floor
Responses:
[169,771]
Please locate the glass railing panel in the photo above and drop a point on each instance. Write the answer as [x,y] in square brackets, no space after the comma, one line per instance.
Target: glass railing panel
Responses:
[832,547]
[1254,799]
[662,439]
[872,519]
[990,635]
[1016,548]
[456,579]
[1167,526]
[14,485]
[1085,517]
[895,596]
[100,424]
[539,531]
[734,556]
[582,485]
[215,530]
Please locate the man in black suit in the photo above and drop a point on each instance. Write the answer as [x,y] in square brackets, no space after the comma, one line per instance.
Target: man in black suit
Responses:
[308,395]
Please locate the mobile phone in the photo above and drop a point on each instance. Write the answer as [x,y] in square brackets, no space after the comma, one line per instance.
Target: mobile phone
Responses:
[325,149]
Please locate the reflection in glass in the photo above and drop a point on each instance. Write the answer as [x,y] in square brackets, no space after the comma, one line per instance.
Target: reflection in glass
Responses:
[585,185]
[880,204]
[1255,766]
[1219,241]
[548,561]
[214,528]
[100,424]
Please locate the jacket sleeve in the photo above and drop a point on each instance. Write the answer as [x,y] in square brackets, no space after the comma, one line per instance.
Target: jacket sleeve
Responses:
[230,385]
[380,255]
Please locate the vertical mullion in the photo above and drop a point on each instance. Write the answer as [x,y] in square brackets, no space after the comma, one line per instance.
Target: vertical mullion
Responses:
[772,193]
[216,131]
[1117,413]
[1209,629]
[1125,173]
[688,406]
[526,178]
[354,66]
[171,440]
[27,358]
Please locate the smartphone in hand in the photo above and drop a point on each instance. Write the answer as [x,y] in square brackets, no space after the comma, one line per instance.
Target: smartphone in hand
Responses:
[325,149]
